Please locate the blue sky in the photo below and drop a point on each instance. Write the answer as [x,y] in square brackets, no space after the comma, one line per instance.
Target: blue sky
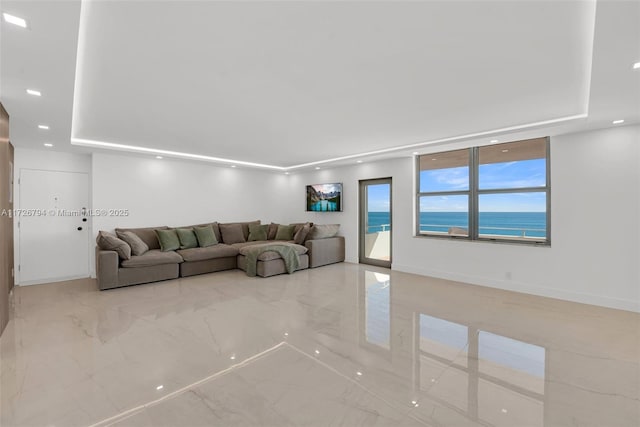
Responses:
[378,198]
[520,174]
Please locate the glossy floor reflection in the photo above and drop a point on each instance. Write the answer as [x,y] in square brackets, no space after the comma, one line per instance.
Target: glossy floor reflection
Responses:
[338,345]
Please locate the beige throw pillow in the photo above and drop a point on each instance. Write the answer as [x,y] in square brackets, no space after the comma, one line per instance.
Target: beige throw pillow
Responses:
[232,233]
[301,235]
[110,242]
[138,247]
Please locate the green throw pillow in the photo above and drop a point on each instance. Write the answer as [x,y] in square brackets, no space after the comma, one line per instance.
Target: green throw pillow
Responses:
[187,238]
[168,239]
[206,236]
[258,232]
[285,232]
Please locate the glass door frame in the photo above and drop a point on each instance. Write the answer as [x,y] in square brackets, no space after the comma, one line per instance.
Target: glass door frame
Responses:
[363,219]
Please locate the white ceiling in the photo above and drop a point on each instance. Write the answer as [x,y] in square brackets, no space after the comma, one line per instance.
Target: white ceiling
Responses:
[294,84]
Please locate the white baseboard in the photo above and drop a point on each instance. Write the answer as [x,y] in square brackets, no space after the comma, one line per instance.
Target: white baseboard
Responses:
[511,285]
[50,280]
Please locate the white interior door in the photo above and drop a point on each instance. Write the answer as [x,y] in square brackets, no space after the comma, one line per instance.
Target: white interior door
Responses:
[53,226]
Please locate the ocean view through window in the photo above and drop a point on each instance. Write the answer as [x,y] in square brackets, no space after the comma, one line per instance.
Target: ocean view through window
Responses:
[496,192]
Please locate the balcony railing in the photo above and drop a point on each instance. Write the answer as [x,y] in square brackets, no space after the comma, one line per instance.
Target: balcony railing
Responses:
[378,228]
[521,232]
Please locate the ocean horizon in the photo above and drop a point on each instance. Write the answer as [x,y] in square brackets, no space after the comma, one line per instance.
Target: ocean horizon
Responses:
[533,224]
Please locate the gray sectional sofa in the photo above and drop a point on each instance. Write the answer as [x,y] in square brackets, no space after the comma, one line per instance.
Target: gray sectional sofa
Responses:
[117,267]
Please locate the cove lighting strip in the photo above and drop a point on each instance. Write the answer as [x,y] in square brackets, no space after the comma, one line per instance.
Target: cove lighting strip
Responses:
[451,139]
[191,156]
[169,153]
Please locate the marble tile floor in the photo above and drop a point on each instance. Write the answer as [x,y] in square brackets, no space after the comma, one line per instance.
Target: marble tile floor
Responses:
[344,344]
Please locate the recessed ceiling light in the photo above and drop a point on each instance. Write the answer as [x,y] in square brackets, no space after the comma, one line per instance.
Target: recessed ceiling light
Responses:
[434,159]
[505,151]
[15,20]
[233,357]
[636,65]
[47,144]
[286,173]
[504,411]
[617,122]
[159,157]
[45,127]
[359,373]
[359,161]
[233,166]
[317,351]
[286,334]
[160,387]
[493,141]
[317,167]
[34,92]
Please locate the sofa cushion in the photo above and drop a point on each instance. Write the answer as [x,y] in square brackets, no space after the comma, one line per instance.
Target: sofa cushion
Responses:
[187,238]
[243,244]
[243,225]
[148,235]
[257,232]
[270,255]
[110,242]
[138,247]
[216,229]
[206,236]
[232,233]
[297,226]
[323,231]
[272,230]
[210,252]
[169,240]
[285,232]
[151,258]
[301,235]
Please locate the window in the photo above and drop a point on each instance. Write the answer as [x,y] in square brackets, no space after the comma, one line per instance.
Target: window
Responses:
[444,193]
[497,192]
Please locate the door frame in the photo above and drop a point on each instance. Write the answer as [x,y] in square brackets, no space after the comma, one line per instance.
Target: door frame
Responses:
[362,223]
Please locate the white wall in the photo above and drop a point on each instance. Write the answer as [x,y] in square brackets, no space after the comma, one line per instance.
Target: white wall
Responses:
[175,192]
[48,160]
[595,252]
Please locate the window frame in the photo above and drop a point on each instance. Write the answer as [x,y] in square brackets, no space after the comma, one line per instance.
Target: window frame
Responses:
[474,193]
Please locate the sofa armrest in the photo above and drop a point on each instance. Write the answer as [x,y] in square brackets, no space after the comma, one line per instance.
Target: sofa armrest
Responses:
[325,251]
[107,264]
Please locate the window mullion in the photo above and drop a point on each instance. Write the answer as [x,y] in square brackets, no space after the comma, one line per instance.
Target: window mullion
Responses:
[444,193]
[473,193]
[513,190]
